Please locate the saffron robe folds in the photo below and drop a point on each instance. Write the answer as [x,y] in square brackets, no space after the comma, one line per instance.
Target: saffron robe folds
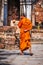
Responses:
[25,26]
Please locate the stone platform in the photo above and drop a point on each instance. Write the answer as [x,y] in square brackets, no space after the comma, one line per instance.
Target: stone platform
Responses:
[9,39]
[37,36]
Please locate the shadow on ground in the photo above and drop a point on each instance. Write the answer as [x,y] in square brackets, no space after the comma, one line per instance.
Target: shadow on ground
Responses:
[15,54]
[4,64]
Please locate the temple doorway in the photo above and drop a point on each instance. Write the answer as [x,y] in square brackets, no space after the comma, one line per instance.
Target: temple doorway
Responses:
[13,10]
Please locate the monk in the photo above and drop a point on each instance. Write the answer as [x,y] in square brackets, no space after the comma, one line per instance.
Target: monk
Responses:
[25,26]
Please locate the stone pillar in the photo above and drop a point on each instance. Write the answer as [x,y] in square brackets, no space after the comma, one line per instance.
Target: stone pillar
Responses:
[33,19]
[2,12]
[0,8]
[5,13]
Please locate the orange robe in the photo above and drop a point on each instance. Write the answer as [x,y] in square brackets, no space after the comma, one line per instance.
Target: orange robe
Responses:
[25,24]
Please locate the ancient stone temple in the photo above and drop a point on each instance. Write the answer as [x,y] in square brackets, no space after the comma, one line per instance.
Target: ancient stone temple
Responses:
[10,10]
[13,9]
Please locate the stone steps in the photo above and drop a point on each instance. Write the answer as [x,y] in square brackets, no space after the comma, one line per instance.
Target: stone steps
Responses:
[37,42]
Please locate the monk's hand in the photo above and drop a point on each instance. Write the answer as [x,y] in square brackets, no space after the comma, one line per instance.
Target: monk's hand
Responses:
[25,31]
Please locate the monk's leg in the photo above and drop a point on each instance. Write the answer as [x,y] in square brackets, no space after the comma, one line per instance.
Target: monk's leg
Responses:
[21,53]
[29,46]
[30,51]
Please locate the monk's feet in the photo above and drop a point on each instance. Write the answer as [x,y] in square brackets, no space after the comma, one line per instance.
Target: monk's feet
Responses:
[21,53]
[30,54]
